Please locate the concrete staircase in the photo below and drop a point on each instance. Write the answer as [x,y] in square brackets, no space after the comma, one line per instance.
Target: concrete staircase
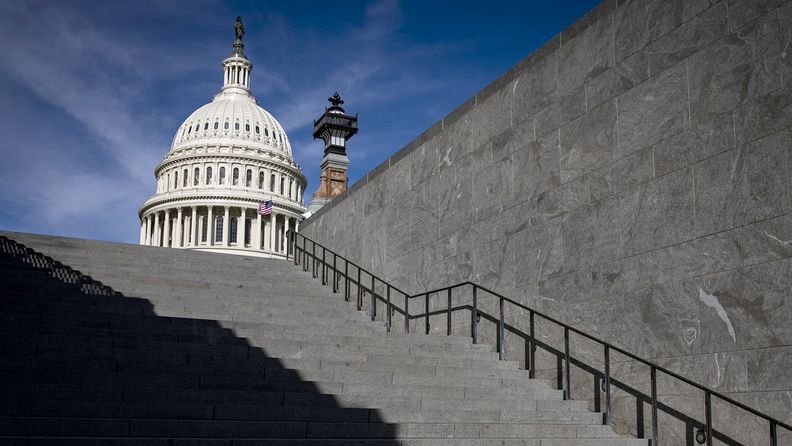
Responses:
[176,347]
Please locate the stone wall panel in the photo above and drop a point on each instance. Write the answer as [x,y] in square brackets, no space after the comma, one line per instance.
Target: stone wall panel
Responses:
[639,22]
[588,142]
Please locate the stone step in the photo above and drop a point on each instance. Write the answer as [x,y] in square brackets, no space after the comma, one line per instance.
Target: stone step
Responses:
[408,441]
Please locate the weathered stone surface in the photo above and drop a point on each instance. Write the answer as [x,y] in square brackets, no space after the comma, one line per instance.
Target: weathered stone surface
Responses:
[639,22]
[695,7]
[742,12]
[625,75]
[559,112]
[593,234]
[687,39]
[536,87]
[586,55]
[700,142]
[492,188]
[627,172]
[588,142]
[660,212]
[653,110]
[538,252]
[743,185]
[763,116]
[535,169]
[741,66]
[785,16]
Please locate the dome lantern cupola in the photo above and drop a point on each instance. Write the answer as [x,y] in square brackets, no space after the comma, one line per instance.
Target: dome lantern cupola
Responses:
[236,67]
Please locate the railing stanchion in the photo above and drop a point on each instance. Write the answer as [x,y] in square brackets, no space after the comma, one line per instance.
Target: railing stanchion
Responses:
[608,409]
[707,416]
[501,340]
[406,314]
[293,246]
[531,353]
[639,418]
[773,434]
[653,372]
[313,259]
[474,317]
[324,267]
[346,280]
[305,255]
[597,394]
[360,292]
[335,274]
[448,316]
[373,301]
[426,319]
[388,309]
[567,387]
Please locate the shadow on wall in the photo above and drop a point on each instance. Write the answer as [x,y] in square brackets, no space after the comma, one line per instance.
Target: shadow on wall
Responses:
[79,359]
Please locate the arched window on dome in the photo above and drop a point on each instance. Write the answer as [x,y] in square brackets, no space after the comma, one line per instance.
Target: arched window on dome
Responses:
[206,126]
[235,176]
[222,174]
[266,132]
[189,130]
[258,130]
[272,183]
[248,178]
[232,235]
[184,178]
[291,183]
[216,125]
[225,126]
[196,176]
[176,180]
[247,127]
[248,226]
[208,175]
[283,181]
[218,229]
[236,126]
[261,180]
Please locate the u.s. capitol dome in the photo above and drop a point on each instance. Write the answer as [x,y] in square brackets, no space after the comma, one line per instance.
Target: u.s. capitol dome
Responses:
[228,158]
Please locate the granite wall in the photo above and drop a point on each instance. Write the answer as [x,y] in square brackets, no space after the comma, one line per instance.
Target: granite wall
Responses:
[632,177]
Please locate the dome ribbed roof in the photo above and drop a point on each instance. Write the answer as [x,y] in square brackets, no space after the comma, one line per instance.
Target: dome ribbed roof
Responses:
[234,119]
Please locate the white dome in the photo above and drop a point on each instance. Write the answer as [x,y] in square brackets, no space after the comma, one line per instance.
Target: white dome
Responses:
[233,118]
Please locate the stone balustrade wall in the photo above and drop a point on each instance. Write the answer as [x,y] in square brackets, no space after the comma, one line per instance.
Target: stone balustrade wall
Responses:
[630,177]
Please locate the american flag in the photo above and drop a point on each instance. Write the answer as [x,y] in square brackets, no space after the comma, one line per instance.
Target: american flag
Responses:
[265,207]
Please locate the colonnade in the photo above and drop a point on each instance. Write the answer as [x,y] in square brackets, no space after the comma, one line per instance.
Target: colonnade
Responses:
[218,227]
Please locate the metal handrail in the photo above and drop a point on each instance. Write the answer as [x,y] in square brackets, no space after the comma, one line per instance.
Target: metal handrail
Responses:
[564,359]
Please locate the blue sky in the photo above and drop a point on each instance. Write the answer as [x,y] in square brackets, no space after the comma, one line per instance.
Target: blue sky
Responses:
[91,93]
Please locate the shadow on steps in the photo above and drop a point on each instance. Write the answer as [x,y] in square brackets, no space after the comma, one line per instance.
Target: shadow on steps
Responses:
[83,364]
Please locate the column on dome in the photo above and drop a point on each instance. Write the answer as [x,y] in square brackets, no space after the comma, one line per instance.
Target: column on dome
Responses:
[194,226]
[272,233]
[241,226]
[209,227]
[226,226]
[179,228]
[257,240]
[156,229]
[142,231]
[296,225]
[147,241]
[166,229]
[283,234]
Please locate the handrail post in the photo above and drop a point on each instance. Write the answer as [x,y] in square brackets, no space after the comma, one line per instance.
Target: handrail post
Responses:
[608,413]
[406,314]
[360,292]
[567,386]
[448,323]
[324,267]
[708,415]
[501,324]
[426,322]
[474,317]
[313,258]
[373,301]
[773,434]
[531,348]
[388,309]
[335,274]
[293,245]
[346,280]
[305,255]
[653,373]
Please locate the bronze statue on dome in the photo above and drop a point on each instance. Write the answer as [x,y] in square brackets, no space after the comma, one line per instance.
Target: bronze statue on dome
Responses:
[239,28]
